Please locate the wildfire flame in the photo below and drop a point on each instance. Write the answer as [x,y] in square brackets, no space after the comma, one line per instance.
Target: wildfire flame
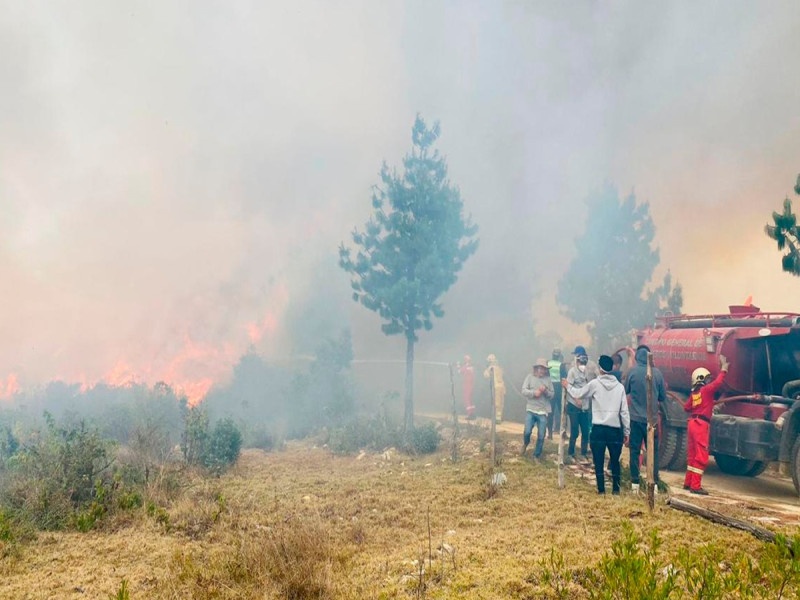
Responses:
[193,367]
[9,387]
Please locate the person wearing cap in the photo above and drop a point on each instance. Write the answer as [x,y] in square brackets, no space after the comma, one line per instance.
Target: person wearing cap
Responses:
[610,421]
[494,372]
[578,410]
[554,418]
[537,389]
[467,372]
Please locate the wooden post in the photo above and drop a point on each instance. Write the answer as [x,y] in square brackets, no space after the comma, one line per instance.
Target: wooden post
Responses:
[454,441]
[651,436]
[562,438]
[494,418]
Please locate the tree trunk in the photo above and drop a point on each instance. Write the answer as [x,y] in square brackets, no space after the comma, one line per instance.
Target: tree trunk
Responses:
[764,535]
[408,422]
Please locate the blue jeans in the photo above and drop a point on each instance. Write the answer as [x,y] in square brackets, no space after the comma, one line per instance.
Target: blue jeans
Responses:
[578,420]
[541,424]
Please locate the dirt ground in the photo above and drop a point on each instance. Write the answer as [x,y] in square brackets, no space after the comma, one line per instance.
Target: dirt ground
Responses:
[371,519]
[769,498]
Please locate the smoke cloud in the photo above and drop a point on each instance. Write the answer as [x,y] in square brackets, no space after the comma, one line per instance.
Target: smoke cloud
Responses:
[175,177]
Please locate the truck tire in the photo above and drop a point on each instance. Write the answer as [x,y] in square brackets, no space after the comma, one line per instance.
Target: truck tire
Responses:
[733,465]
[796,464]
[678,462]
[759,466]
[668,446]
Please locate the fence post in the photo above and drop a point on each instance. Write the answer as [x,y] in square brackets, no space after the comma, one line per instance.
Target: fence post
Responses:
[651,436]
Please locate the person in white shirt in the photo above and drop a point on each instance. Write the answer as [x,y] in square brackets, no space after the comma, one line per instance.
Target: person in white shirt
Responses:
[611,422]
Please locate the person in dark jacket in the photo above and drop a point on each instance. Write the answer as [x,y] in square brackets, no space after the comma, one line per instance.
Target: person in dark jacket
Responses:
[616,360]
[636,388]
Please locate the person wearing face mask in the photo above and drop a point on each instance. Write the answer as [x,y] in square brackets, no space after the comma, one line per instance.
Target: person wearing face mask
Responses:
[579,410]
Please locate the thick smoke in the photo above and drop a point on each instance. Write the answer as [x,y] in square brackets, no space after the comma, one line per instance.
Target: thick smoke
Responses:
[174,178]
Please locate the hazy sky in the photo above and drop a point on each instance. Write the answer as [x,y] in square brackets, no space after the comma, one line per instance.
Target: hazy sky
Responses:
[175,176]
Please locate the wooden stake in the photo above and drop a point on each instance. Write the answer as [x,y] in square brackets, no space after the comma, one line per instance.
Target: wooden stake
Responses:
[494,422]
[454,441]
[562,438]
[651,436]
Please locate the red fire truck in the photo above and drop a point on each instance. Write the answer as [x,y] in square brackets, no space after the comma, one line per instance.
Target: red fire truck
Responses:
[757,417]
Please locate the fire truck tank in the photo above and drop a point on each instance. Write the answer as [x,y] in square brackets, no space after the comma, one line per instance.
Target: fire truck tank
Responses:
[762,349]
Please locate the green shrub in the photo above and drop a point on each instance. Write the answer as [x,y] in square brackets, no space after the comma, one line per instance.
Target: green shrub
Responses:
[633,569]
[225,445]
[371,433]
[194,443]
[122,593]
[215,449]
[425,439]
[58,475]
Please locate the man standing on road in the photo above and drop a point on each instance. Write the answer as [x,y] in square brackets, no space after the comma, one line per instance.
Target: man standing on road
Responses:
[579,411]
[538,390]
[699,405]
[636,388]
[610,421]
[554,418]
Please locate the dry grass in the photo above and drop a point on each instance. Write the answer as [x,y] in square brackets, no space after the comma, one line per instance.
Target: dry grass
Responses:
[306,524]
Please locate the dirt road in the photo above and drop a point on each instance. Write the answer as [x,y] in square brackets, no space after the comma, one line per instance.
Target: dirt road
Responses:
[768,498]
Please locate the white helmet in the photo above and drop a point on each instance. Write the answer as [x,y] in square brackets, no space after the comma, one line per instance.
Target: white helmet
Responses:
[699,375]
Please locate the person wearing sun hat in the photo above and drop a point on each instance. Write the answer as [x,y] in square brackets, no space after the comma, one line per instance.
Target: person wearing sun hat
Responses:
[611,422]
[537,389]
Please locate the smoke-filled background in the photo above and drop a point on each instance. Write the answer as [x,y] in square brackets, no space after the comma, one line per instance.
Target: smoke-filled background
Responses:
[175,177]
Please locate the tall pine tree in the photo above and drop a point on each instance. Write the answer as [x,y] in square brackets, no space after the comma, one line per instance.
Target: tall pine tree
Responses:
[412,248]
[605,285]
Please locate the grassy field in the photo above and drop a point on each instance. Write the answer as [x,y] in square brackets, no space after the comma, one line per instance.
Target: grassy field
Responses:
[304,523]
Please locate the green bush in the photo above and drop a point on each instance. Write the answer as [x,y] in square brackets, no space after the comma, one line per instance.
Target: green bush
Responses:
[225,445]
[425,439]
[634,569]
[370,433]
[378,433]
[215,449]
[59,473]
[195,440]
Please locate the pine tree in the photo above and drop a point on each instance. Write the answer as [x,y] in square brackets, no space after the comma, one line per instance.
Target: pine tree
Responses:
[412,247]
[605,285]
[786,233]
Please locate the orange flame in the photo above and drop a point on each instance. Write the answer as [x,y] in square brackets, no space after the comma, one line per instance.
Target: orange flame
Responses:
[9,387]
[193,367]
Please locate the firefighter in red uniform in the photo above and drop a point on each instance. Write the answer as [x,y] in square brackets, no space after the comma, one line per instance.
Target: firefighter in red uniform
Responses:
[700,406]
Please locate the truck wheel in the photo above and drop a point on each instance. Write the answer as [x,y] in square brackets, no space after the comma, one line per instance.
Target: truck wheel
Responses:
[678,462]
[796,464]
[759,467]
[733,465]
[668,446]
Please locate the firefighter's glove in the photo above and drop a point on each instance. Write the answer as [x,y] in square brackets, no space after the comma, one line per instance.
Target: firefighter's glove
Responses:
[723,363]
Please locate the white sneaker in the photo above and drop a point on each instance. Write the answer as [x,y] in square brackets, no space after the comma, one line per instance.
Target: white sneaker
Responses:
[635,488]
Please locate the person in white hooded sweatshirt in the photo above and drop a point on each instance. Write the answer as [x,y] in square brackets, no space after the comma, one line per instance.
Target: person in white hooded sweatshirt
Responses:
[611,422]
